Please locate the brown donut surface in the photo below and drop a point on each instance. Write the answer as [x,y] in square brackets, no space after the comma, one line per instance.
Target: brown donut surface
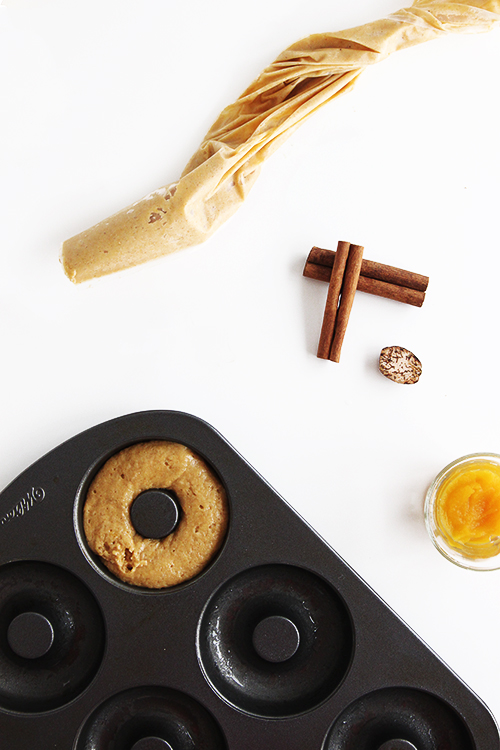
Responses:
[155,563]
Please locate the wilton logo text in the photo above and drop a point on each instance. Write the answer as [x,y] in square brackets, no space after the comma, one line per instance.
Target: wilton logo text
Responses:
[33,497]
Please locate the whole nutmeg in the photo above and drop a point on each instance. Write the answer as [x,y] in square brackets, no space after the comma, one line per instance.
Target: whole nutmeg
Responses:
[400,365]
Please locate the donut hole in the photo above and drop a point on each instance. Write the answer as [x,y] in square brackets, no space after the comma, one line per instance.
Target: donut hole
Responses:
[151,717]
[396,718]
[156,513]
[52,636]
[275,641]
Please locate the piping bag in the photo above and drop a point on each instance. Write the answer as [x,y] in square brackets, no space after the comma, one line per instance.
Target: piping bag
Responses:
[218,177]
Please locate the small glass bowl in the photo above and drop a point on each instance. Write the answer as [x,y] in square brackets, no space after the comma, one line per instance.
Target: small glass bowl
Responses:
[472,557]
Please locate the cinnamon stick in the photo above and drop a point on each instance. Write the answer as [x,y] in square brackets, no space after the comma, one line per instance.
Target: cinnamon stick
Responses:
[370,285]
[332,300]
[349,286]
[374,270]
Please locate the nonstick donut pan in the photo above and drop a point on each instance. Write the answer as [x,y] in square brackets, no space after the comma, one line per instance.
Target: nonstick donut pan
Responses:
[277,644]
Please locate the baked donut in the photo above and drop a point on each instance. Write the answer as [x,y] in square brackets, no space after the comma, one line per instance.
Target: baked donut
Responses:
[199,533]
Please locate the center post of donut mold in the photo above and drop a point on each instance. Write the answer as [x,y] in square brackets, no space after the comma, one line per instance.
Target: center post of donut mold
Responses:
[155,513]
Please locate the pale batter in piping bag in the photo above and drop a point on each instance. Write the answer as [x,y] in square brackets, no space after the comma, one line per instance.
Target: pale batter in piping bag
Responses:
[220,174]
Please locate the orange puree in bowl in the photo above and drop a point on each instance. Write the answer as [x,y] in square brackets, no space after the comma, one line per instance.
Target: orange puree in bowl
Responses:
[468,508]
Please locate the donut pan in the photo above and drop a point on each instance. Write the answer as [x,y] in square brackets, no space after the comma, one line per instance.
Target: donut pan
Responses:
[277,644]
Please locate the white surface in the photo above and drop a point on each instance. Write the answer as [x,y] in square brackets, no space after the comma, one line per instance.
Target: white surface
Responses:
[104,101]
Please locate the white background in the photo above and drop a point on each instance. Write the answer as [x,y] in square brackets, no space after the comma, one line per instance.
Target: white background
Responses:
[103,101]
